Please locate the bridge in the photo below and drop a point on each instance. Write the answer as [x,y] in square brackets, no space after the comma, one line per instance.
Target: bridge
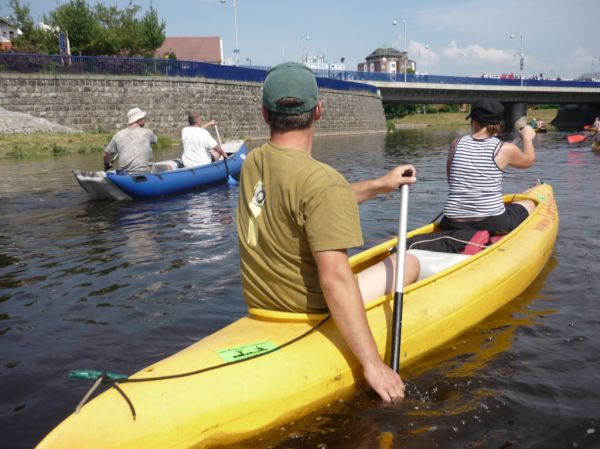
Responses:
[512,93]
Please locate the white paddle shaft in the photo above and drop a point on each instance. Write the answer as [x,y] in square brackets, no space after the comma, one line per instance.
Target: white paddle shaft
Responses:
[402,238]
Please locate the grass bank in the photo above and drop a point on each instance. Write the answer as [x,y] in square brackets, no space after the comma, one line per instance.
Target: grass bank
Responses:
[458,118]
[55,144]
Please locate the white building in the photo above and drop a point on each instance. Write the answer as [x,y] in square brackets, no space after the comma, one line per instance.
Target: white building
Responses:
[318,62]
[8,31]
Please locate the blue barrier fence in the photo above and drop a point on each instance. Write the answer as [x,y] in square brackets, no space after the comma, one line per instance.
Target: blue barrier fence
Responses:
[333,79]
[24,63]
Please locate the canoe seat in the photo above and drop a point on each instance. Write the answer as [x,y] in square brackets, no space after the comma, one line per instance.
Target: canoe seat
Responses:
[162,166]
[433,262]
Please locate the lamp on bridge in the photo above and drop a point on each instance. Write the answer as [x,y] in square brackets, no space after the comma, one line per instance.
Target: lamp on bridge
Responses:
[304,37]
[522,55]
[236,50]
[395,22]
[592,67]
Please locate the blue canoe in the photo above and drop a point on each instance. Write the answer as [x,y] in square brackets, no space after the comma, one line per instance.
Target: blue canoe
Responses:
[165,179]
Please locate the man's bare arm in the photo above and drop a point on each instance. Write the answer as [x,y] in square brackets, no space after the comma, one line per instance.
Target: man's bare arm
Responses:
[347,309]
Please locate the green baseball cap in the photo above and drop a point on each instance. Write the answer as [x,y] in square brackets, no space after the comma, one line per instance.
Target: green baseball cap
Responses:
[293,80]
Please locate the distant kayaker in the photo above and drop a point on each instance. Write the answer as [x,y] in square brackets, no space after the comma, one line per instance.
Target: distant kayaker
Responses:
[199,147]
[596,125]
[133,145]
[475,167]
[541,124]
[596,142]
[533,123]
[297,217]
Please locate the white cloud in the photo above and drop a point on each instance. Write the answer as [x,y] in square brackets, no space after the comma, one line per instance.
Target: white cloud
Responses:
[425,57]
[475,54]
[422,52]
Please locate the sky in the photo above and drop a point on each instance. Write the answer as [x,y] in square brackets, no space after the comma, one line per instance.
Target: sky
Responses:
[444,37]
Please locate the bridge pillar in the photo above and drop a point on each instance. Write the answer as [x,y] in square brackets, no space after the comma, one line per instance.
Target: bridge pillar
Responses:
[512,113]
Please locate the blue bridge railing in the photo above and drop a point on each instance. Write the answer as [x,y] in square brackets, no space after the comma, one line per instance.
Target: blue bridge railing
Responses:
[333,79]
[26,63]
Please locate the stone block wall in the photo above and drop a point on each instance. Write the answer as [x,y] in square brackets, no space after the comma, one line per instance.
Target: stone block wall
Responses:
[89,102]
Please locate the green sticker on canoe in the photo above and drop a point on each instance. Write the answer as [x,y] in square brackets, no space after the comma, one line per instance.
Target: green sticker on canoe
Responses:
[243,352]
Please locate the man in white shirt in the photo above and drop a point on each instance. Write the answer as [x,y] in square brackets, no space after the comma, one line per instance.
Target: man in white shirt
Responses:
[199,147]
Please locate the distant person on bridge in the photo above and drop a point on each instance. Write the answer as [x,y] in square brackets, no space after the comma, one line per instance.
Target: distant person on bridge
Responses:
[475,167]
[296,219]
[199,147]
[133,145]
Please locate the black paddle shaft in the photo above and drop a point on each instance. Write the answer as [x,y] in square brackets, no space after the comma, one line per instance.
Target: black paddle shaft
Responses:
[396,331]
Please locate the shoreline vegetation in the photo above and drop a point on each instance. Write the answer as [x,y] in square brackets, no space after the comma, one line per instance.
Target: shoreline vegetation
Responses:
[24,145]
[443,119]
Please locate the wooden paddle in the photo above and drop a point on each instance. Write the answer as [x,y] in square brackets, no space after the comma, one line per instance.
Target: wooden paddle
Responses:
[399,293]
[230,179]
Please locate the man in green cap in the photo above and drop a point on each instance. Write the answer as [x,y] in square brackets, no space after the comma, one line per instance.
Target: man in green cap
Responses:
[298,216]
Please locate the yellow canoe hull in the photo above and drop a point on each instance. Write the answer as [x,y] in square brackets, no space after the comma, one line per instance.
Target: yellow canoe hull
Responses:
[238,400]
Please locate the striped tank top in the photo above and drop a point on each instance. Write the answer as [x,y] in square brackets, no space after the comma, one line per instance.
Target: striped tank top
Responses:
[475,180]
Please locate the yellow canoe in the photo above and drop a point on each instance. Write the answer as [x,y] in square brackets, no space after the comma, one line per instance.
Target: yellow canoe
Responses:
[301,361]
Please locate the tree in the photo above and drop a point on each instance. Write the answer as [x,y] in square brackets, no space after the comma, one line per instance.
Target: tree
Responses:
[101,30]
[78,20]
[153,32]
[122,28]
[33,39]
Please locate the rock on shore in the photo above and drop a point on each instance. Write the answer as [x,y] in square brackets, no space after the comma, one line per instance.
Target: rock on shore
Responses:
[18,122]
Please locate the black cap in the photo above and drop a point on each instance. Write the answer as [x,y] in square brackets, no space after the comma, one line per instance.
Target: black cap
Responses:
[486,111]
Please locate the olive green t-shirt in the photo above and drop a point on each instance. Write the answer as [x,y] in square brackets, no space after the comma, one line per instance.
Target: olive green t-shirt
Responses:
[291,205]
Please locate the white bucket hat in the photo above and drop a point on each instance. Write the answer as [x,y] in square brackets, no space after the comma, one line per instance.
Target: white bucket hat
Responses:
[135,114]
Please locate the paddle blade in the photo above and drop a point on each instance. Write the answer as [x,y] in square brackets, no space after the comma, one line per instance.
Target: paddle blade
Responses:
[576,138]
[231,181]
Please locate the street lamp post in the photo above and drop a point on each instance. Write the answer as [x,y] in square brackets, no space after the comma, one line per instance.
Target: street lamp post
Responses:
[395,22]
[521,55]
[592,67]
[236,50]
[304,37]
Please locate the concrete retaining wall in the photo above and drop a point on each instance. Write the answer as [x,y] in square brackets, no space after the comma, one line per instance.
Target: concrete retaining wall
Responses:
[89,103]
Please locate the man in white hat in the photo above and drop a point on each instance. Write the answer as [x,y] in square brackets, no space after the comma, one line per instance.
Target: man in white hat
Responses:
[132,145]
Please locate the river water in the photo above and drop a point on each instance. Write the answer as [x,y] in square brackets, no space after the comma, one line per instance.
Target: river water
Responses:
[118,285]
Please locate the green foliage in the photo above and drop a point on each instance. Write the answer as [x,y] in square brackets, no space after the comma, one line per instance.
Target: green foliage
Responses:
[402,110]
[34,39]
[398,110]
[449,108]
[153,32]
[58,150]
[391,126]
[164,142]
[92,31]
[543,106]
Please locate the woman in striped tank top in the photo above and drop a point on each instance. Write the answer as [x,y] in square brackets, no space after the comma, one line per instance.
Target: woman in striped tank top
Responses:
[475,166]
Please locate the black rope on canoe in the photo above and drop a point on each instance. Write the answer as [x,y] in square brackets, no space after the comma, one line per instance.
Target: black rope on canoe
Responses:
[131,407]
[115,382]
[214,367]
